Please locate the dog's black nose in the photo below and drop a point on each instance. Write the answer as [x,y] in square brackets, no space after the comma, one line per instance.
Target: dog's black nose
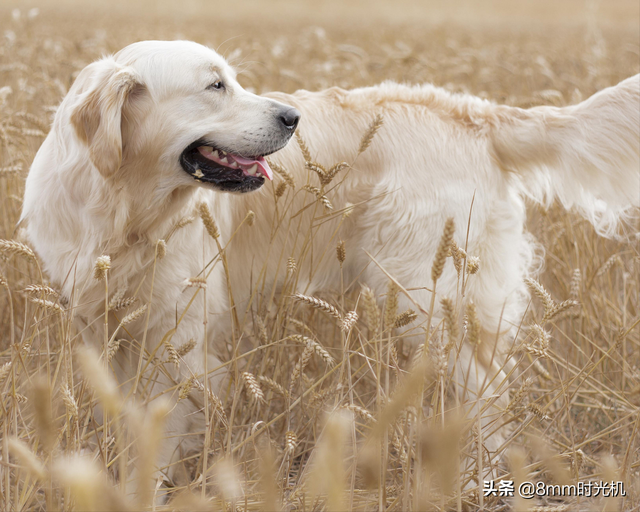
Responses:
[290,118]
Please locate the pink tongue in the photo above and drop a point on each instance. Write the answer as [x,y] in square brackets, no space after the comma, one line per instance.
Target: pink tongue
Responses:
[244,163]
[263,166]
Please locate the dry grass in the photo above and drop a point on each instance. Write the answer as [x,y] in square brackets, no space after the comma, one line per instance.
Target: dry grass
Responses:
[575,394]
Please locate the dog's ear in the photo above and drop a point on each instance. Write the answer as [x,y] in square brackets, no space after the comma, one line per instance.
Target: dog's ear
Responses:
[97,117]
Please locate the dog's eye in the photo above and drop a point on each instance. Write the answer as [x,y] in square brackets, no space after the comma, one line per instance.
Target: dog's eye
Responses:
[218,85]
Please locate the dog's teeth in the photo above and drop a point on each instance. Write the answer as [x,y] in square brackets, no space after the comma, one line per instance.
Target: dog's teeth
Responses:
[234,165]
[223,160]
[215,154]
[252,170]
[206,149]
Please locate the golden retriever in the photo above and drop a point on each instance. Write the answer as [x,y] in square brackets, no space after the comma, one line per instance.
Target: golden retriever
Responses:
[146,135]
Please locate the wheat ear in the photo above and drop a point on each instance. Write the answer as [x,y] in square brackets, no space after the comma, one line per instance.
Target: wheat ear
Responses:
[443,249]
[319,304]
[13,247]
[207,220]
[368,136]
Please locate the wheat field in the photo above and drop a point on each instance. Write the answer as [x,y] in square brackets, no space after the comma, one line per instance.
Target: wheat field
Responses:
[321,411]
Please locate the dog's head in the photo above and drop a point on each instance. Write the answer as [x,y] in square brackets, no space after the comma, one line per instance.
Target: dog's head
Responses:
[174,112]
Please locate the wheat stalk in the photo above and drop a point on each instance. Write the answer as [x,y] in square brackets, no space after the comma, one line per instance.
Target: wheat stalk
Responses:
[405,318]
[303,147]
[41,289]
[112,348]
[391,305]
[101,267]
[439,356]
[319,196]
[348,210]
[286,176]
[185,388]
[368,136]
[195,282]
[186,347]
[443,249]
[4,370]
[318,398]
[418,356]
[318,169]
[473,324]
[317,348]
[11,169]
[341,252]
[252,387]
[116,298]
[263,336]
[161,248]
[214,400]
[371,310]
[540,343]
[117,305]
[558,309]
[459,255]
[13,247]
[290,441]
[473,265]
[538,412]
[577,460]
[133,316]
[611,261]
[47,304]
[393,354]
[319,304]
[291,266]
[349,321]
[301,325]
[450,320]
[576,280]
[272,385]
[280,189]
[69,402]
[207,220]
[333,172]
[31,132]
[300,366]
[542,371]
[541,293]
[519,395]
[184,221]
[173,356]
[360,411]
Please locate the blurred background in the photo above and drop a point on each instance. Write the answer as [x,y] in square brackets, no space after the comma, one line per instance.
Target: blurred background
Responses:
[500,48]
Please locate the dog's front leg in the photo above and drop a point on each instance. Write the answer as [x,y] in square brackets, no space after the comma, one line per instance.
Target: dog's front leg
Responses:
[178,381]
[186,426]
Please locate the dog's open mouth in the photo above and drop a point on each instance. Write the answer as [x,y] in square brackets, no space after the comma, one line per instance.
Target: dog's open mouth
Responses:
[226,171]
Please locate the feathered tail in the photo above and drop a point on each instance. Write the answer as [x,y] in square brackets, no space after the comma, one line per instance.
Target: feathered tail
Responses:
[586,155]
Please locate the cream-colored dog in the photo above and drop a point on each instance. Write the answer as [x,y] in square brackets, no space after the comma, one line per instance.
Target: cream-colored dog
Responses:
[144,136]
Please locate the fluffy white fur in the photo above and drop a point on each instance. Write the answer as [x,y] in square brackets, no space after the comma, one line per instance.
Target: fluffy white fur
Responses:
[107,181]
